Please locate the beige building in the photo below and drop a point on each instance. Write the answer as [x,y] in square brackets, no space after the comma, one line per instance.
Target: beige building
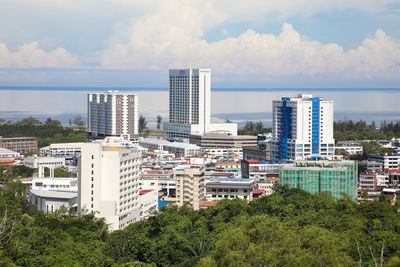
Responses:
[189,186]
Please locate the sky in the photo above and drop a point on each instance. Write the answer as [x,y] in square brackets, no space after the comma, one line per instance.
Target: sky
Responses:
[246,44]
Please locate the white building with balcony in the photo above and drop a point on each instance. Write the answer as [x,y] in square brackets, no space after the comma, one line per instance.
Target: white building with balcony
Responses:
[108,182]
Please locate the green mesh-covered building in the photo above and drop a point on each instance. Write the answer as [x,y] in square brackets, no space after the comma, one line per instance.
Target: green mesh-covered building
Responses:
[319,176]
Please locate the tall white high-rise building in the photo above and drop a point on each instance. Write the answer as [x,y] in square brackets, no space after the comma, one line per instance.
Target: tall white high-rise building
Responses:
[108,182]
[113,113]
[189,105]
[302,128]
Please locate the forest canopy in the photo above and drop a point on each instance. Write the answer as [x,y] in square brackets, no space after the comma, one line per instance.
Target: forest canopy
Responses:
[288,228]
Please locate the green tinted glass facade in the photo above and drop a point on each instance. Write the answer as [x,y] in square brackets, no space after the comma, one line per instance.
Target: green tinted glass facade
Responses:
[318,176]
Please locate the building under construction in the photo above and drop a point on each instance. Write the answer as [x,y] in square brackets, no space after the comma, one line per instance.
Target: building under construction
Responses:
[336,177]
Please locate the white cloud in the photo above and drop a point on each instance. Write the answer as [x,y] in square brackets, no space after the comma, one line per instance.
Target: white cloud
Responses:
[170,33]
[31,56]
[170,38]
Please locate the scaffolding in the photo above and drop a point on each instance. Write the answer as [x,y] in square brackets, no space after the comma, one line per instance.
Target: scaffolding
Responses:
[336,177]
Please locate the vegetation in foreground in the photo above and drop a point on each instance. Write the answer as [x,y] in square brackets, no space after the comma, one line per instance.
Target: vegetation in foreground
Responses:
[288,228]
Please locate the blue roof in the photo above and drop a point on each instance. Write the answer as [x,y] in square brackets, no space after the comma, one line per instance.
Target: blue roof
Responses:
[162,203]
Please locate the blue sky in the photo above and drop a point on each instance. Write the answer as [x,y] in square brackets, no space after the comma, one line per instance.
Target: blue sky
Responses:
[253,43]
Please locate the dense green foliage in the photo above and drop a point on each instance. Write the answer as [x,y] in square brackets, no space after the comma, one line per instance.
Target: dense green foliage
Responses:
[253,128]
[58,172]
[350,130]
[288,228]
[51,131]
[8,173]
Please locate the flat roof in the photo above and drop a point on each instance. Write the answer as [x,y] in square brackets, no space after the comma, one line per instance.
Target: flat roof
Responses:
[183,145]
[223,179]
[54,194]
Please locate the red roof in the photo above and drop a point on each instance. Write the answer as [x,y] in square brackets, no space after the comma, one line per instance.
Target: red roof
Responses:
[145,191]
[252,161]
[258,191]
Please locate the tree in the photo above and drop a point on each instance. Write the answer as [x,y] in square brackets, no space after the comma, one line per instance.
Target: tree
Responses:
[159,121]
[142,123]
[81,124]
[2,121]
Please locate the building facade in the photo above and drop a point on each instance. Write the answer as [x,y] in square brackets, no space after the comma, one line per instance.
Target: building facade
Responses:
[214,140]
[229,188]
[302,128]
[108,183]
[113,114]
[19,144]
[190,105]
[389,161]
[189,186]
[336,177]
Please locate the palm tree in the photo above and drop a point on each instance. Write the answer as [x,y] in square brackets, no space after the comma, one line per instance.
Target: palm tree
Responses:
[142,123]
[159,120]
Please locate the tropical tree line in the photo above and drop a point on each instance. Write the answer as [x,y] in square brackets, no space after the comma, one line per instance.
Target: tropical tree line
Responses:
[288,228]
[361,130]
[253,128]
[47,132]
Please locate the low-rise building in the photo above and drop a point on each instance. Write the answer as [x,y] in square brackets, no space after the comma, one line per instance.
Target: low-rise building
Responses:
[215,140]
[372,166]
[350,149]
[36,162]
[61,150]
[20,144]
[148,200]
[182,149]
[50,194]
[268,185]
[50,201]
[390,161]
[367,182]
[229,188]
[256,154]
[7,153]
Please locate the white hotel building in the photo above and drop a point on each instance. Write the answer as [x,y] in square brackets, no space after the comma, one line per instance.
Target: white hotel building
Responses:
[108,183]
[189,105]
[113,114]
[302,128]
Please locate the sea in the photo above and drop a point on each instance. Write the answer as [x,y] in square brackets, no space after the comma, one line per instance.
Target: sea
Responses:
[235,104]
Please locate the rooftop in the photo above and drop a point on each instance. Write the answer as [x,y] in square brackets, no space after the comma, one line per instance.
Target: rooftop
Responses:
[145,191]
[54,194]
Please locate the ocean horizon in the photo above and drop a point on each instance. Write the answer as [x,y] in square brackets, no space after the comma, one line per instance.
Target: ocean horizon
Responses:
[236,104]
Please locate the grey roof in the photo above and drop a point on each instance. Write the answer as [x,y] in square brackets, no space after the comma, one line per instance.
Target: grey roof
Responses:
[53,194]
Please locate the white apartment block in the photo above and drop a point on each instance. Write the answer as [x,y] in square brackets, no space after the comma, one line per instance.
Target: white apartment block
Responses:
[108,183]
[352,150]
[302,128]
[61,150]
[37,162]
[113,114]
[6,153]
[390,162]
[190,105]
[148,200]
[229,188]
